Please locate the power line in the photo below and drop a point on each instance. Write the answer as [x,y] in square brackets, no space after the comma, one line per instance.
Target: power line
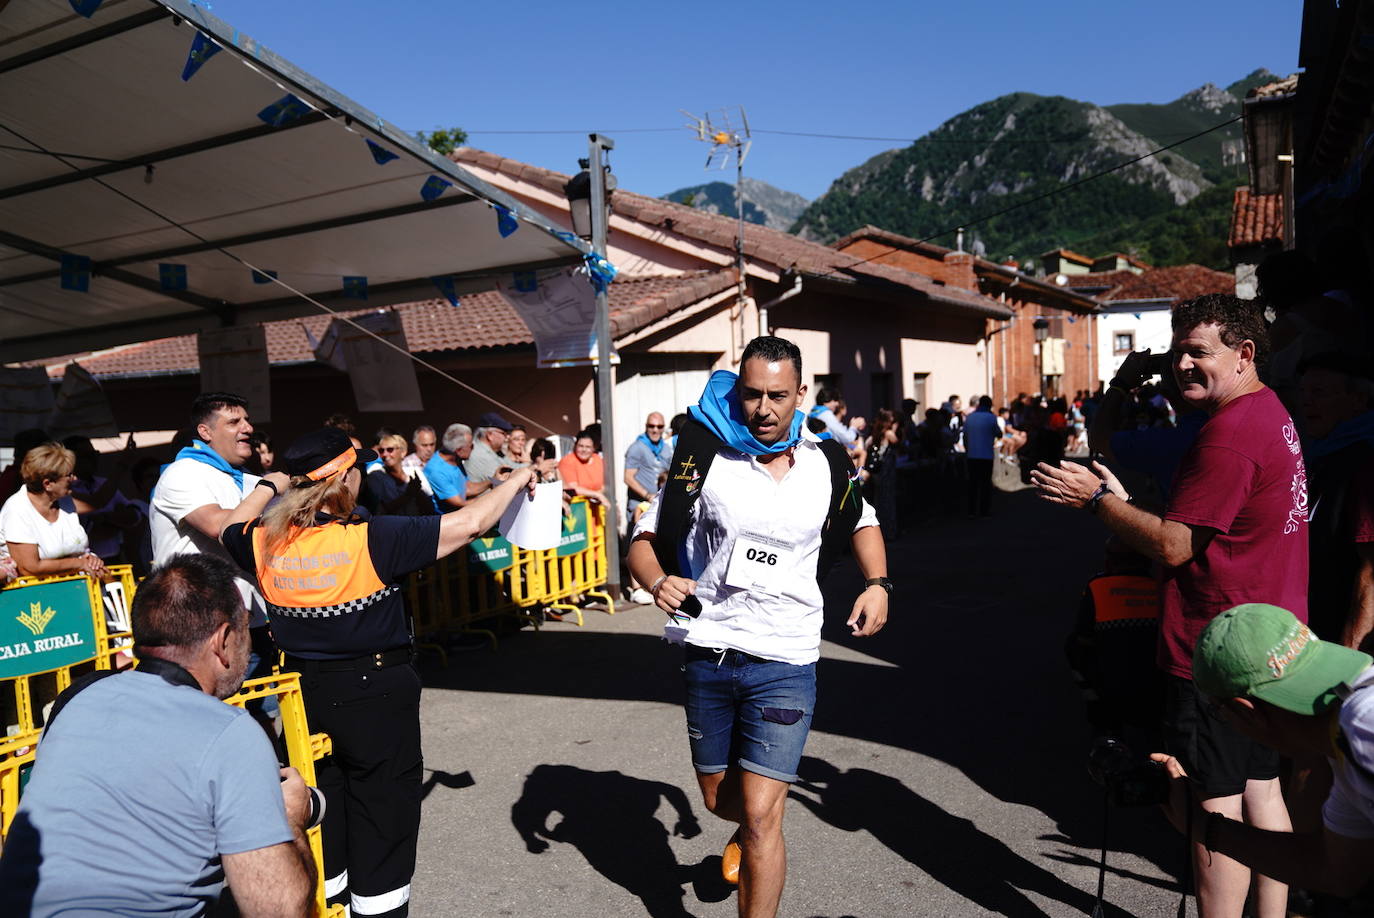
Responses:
[1040,197]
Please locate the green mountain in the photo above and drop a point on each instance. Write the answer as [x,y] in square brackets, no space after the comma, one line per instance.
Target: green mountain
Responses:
[764,204]
[1021,147]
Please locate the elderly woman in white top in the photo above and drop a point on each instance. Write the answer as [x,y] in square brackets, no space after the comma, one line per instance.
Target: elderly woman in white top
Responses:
[38,523]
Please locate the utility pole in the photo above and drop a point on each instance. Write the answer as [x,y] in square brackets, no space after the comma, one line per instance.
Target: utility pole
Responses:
[605,384]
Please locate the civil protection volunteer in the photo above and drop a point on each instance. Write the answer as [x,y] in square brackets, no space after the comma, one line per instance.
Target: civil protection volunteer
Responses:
[331,576]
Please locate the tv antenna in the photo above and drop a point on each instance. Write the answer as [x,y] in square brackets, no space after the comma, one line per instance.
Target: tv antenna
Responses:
[727,131]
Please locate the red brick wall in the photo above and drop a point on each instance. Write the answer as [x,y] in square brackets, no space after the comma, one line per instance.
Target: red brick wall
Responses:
[1022,364]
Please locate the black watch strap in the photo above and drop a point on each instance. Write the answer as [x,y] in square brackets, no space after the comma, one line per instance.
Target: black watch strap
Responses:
[879,581]
[264,483]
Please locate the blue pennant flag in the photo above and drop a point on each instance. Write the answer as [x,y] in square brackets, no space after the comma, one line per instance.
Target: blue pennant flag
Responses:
[76,273]
[1137,315]
[283,111]
[1072,320]
[355,288]
[601,272]
[433,187]
[172,277]
[263,277]
[525,281]
[380,154]
[85,8]
[202,49]
[447,287]
[566,236]
[505,221]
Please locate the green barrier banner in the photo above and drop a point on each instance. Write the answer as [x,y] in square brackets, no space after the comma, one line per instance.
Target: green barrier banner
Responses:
[45,626]
[490,554]
[573,538]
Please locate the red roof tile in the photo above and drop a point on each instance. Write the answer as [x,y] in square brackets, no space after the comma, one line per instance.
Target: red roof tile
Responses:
[775,248]
[1177,283]
[1256,219]
[483,320]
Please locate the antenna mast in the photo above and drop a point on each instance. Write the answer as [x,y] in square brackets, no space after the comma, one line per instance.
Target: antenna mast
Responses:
[718,128]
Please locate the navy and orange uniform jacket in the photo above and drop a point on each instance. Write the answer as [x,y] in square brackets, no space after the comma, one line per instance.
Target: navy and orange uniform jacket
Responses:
[333,592]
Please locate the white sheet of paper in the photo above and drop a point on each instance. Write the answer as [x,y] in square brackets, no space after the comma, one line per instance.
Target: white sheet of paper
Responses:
[535,524]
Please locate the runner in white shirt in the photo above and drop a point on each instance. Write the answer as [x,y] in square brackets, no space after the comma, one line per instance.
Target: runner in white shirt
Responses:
[752,550]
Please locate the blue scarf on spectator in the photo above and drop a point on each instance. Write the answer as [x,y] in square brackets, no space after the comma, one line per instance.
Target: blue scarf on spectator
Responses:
[1360,427]
[200,451]
[656,448]
[721,412]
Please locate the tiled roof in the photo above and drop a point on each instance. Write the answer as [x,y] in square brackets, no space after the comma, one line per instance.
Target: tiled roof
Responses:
[481,321]
[1256,219]
[1072,256]
[780,250]
[1177,283]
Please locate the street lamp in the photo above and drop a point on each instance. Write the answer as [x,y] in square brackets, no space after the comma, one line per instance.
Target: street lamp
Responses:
[579,192]
[589,205]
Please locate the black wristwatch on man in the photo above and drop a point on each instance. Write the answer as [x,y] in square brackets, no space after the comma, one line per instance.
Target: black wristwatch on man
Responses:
[879,581]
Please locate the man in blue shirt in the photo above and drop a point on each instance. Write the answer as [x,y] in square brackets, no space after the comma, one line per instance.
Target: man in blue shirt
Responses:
[199,799]
[445,468]
[981,434]
[647,456]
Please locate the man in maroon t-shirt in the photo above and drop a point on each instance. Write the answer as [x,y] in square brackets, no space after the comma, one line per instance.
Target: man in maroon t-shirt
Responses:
[1235,531]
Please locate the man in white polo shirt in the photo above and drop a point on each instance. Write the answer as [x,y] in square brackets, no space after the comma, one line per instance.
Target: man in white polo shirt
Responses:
[196,493]
[751,553]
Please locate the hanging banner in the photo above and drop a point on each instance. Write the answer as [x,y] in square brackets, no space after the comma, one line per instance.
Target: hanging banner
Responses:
[573,538]
[235,360]
[26,400]
[383,379]
[81,407]
[559,308]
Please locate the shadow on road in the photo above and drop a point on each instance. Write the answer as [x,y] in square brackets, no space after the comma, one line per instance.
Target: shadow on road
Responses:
[610,818]
[952,850]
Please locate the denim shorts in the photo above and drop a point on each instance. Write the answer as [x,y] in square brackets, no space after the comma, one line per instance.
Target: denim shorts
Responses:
[747,711]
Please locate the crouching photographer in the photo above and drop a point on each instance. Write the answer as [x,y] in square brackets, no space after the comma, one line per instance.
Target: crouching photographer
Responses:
[1271,679]
[149,793]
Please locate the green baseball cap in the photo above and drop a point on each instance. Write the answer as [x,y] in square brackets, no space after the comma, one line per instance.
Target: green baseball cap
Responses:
[1264,652]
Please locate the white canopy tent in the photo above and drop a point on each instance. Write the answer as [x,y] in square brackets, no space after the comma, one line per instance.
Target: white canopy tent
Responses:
[106,153]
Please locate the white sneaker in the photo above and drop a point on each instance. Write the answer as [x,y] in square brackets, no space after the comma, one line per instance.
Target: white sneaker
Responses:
[642,596]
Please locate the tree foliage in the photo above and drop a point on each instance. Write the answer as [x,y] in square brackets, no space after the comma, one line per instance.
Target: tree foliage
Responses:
[443,140]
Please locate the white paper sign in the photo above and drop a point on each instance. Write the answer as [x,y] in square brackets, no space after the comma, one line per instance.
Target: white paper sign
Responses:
[82,407]
[383,379]
[235,360]
[535,524]
[558,306]
[26,400]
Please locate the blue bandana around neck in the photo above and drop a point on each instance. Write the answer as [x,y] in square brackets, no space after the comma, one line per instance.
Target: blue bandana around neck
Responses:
[200,451]
[1360,427]
[721,412]
[656,448]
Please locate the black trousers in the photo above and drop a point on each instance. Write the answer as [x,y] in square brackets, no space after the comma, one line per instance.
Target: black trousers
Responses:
[980,486]
[372,783]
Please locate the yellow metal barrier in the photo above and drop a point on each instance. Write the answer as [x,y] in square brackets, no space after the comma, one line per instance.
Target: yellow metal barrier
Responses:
[492,578]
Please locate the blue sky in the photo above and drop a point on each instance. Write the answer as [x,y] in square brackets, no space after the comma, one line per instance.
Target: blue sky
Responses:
[891,69]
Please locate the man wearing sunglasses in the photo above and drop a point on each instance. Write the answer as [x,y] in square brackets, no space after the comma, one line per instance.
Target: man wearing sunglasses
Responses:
[647,456]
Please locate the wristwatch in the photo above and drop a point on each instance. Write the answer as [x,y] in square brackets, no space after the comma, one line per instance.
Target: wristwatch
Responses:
[1101,492]
[264,483]
[879,581]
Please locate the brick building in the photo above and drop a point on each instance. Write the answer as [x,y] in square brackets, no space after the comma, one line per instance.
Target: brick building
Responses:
[1047,344]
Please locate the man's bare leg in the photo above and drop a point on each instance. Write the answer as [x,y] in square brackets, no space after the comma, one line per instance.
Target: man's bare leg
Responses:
[1222,883]
[720,793]
[1264,808]
[763,866]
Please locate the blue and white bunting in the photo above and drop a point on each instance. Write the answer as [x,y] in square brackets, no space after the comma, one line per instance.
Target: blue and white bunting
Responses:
[263,277]
[283,111]
[601,272]
[447,287]
[171,277]
[355,287]
[433,187]
[202,49]
[75,273]
[380,154]
[85,8]
[506,223]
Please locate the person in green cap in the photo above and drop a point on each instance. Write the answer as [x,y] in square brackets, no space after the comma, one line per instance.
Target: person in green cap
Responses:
[1273,680]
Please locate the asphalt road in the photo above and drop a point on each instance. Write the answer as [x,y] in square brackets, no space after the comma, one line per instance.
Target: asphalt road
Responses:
[944,774]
